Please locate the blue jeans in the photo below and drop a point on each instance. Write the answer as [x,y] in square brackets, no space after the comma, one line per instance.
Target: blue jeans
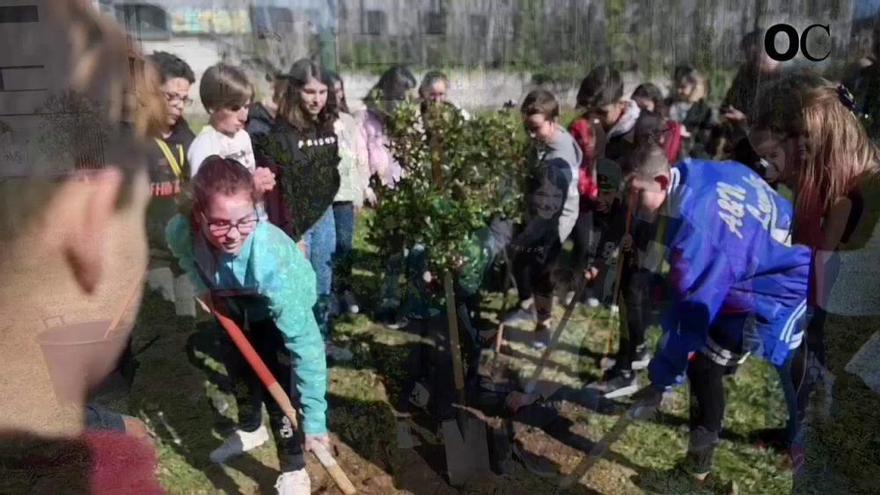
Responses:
[320,242]
[343,215]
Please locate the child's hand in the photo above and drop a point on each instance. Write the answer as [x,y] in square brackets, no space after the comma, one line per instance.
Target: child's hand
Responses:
[591,273]
[626,242]
[312,441]
[685,133]
[370,197]
[734,115]
[264,179]
[302,247]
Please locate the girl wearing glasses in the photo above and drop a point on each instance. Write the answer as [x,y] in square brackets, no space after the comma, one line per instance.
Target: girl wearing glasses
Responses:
[257,275]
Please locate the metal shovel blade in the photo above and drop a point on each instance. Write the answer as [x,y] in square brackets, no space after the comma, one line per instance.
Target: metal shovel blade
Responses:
[467,450]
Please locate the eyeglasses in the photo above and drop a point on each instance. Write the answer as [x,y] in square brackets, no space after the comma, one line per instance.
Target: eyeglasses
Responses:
[175,98]
[221,228]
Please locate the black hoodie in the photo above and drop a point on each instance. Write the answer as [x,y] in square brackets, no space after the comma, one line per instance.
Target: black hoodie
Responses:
[306,167]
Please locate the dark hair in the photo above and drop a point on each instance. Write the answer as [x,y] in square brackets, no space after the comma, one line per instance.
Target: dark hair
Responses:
[540,102]
[753,40]
[334,79]
[390,90]
[650,127]
[752,46]
[647,161]
[602,86]
[685,72]
[290,106]
[171,66]
[429,79]
[218,175]
[225,86]
[653,93]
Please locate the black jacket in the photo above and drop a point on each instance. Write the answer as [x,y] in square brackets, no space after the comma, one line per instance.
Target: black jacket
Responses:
[306,167]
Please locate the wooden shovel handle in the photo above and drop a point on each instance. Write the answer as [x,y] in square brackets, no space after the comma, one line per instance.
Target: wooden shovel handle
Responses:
[454,344]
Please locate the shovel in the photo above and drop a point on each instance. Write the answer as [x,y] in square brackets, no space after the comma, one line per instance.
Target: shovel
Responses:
[464,438]
[278,393]
[600,448]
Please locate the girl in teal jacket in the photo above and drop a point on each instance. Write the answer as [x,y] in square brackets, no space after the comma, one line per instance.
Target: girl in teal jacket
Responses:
[256,274]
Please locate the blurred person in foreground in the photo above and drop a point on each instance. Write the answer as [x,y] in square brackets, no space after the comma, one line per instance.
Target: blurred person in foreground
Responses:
[72,230]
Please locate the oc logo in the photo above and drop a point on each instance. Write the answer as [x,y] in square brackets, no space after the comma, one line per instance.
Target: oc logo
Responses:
[793,45]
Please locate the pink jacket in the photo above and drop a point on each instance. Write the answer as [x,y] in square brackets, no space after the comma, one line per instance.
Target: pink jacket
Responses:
[378,156]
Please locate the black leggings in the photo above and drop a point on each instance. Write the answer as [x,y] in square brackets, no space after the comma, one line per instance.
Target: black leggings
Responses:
[534,273]
[250,395]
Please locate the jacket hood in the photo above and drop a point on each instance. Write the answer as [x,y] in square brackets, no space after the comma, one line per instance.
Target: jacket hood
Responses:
[627,120]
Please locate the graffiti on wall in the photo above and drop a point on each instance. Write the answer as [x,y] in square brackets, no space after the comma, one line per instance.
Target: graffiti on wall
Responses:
[190,20]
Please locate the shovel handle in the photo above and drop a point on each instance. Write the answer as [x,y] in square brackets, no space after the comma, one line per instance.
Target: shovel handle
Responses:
[332,467]
[600,448]
[454,344]
[554,340]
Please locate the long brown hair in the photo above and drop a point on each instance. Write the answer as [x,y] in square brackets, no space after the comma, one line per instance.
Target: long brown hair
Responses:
[836,150]
[290,106]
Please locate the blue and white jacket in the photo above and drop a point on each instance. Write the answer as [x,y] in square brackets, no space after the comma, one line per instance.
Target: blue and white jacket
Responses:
[733,273]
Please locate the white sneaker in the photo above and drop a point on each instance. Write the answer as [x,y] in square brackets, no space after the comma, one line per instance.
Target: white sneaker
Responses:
[593,302]
[294,483]
[238,443]
[350,302]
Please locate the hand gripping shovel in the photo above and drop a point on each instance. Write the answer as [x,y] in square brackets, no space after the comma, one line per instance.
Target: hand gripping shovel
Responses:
[464,438]
[278,393]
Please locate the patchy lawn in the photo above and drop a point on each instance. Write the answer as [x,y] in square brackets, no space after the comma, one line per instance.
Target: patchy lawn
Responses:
[179,389]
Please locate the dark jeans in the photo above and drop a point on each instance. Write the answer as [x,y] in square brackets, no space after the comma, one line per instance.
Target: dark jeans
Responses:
[534,272]
[343,214]
[635,309]
[250,395]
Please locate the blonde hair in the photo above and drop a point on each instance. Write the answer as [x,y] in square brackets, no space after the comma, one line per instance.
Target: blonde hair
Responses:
[836,150]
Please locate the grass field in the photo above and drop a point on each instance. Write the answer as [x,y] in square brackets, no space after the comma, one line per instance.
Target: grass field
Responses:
[176,391]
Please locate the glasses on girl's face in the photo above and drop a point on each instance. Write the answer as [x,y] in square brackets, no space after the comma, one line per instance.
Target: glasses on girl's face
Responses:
[221,228]
[175,98]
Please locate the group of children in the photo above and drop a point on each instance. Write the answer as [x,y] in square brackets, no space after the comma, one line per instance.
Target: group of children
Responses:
[292,168]
[713,237]
[271,183]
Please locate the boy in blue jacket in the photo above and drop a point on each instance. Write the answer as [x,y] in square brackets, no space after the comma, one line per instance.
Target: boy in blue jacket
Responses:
[737,285]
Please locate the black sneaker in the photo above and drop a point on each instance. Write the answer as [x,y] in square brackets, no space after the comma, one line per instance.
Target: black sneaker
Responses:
[619,383]
[539,466]
[391,318]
